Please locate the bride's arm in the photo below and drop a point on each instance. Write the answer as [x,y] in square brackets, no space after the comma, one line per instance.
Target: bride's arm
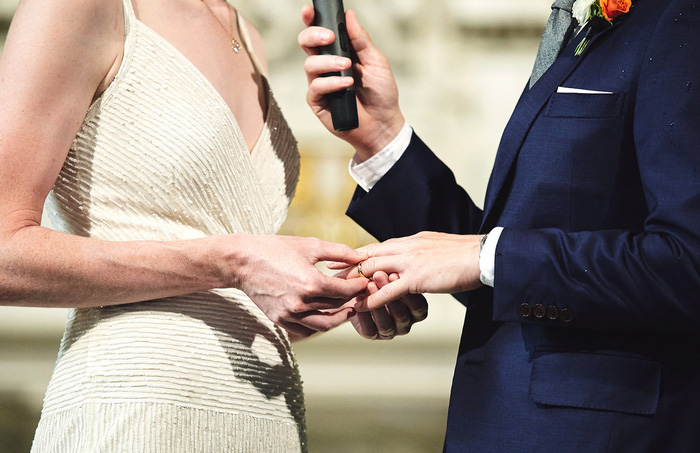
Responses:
[57,56]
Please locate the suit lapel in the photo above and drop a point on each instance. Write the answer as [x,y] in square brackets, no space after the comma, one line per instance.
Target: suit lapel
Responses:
[526,111]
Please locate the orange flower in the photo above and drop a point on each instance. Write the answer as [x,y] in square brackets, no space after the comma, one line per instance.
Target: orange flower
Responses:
[613,8]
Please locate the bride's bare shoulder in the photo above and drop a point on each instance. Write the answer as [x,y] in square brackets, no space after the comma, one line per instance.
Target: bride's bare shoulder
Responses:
[87,32]
[66,18]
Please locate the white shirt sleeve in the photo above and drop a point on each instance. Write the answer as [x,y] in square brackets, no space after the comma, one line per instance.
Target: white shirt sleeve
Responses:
[487,257]
[369,172]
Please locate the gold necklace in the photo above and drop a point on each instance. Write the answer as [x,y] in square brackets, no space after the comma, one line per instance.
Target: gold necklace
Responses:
[235,45]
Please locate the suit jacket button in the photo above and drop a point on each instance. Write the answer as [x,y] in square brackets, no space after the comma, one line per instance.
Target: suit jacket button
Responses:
[566,315]
[525,310]
[552,313]
[539,311]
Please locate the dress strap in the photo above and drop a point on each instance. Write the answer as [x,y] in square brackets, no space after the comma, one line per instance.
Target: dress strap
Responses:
[245,37]
[129,15]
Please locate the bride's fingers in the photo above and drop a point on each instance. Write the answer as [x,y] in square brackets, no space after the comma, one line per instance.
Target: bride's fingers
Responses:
[338,288]
[330,251]
[296,330]
[339,265]
[324,321]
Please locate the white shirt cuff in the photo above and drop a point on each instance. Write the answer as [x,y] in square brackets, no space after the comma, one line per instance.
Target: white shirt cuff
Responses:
[487,257]
[369,172]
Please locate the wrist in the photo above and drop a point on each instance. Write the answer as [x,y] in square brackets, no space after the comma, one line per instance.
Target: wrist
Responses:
[224,261]
[371,144]
[482,240]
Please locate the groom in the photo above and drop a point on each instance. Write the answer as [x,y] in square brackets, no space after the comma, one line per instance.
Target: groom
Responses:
[581,276]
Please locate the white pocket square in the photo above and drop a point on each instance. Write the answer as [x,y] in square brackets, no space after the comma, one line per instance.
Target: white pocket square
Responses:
[580,91]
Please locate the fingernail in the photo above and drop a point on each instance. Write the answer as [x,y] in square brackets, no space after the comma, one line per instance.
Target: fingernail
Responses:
[404,322]
[419,315]
[387,333]
[325,35]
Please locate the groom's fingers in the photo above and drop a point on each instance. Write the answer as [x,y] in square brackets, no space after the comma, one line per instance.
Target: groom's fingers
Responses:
[418,306]
[386,264]
[364,325]
[416,303]
[386,294]
[401,316]
[386,327]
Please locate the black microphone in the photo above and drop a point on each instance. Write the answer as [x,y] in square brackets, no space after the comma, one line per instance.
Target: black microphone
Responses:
[343,104]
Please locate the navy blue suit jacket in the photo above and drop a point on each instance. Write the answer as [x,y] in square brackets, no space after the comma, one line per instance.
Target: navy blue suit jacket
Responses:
[590,340]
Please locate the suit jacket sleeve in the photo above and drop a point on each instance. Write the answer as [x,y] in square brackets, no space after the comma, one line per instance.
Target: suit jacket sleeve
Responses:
[419,193]
[618,279]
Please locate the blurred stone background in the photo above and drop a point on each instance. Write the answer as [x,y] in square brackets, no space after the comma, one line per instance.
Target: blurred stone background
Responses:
[460,66]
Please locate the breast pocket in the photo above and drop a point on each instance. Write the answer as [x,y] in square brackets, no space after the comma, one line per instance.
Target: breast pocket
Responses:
[585,105]
[596,381]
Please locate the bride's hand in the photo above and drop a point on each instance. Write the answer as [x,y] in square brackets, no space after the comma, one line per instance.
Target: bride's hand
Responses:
[278,273]
[396,318]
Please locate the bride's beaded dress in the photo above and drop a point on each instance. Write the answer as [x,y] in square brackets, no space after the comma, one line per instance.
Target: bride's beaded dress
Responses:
[161,157]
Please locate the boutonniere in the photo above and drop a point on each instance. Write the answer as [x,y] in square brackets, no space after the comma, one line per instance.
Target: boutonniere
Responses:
[600,13]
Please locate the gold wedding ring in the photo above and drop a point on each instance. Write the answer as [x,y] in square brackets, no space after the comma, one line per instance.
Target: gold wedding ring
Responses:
[359,270]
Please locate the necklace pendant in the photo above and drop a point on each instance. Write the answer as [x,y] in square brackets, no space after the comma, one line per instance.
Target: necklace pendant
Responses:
[235,45]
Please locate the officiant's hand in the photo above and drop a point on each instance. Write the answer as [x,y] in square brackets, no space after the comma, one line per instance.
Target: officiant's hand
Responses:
[425,263]
[278,273]
[396,318]
[380,119]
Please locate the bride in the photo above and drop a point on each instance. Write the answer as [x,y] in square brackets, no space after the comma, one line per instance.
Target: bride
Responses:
[148,132]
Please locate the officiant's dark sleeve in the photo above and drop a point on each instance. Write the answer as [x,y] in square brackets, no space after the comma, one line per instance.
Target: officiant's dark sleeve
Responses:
[419,193]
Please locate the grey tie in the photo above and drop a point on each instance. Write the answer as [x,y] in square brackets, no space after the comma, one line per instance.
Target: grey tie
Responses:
[556,34]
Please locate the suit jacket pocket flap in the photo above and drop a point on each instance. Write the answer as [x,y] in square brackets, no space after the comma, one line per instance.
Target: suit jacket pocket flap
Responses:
[596,381]
[578,105]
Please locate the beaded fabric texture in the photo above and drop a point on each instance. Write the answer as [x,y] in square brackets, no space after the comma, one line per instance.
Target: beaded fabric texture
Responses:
[160,156]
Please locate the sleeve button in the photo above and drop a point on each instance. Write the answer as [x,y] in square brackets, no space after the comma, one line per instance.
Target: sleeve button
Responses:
[566,315]
[539,311]
[525,310]
[553,313]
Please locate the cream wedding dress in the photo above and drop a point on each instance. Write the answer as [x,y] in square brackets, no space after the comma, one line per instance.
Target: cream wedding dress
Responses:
[161,157]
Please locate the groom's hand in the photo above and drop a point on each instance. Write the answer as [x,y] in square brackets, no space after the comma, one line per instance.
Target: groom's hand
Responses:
[396,318]
[425,263]
[380,119]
